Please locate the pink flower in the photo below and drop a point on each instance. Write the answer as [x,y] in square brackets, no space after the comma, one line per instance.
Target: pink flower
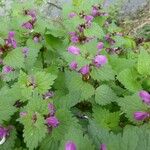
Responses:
[140,115]
[72,14]
[88,18]
[48,95]
[145,96]
[85,70]
[70,145]
[11,41]
[3,132]
[52,121]
[23,114]
[27,25]
[74,50]
[52,109]
[73,65]
[100,45]
[74,39]
[25,51]
[103,147]
[7,69]
[100,60]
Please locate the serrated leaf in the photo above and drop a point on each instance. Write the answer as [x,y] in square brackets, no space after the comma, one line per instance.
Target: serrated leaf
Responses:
[34,132]
[15,58]
[76,135]
[144,63]
[105,73]
[105,95]
[128,78]
[7,108]
[95,30]
[66,121]
[106,119]
[118,64]
[32,54]
[75,83]
[131,104]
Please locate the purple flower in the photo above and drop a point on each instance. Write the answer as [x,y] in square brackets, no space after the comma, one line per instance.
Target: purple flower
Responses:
[72,14]
[145,96]
[100,60]
[85,70]
[74,39]
[11,34]
[140,115]
[48,95]
[52,121]
[25,51]
[95,11]
[73,65]
[70,145]
[74,50]
[27,25]
[36,39]
[32,13]
[103,147]
[52,109]
[3,132]
[100,45]
[23,114]
[7,69]
[88,18]
[11,41]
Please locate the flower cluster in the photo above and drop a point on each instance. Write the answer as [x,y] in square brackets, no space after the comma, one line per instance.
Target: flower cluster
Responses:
[9,42]
[30,24]
[51,120]
[97,61]
[143,115]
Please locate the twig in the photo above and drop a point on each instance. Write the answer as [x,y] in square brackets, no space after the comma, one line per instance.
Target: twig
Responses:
[55,5]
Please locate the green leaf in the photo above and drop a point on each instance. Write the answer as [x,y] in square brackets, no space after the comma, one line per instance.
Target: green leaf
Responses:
[33,132]
[66,121]
[32,54]
[118,64]
[95,30]
[105,95]
[106,119]
[76,135]
[128,78]
[104,73]
[7,108]
[131,104]
[144,63]
[15,58]
[75,83]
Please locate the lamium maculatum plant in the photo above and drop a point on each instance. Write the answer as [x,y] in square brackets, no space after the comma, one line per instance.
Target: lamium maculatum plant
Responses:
[76,83]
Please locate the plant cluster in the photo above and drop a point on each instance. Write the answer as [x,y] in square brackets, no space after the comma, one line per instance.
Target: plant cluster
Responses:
[78,83]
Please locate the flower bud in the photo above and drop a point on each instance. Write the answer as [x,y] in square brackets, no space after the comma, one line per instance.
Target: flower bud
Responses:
[145,96]
[103,147]
[140,115]
[73,65]
[52,121]
[100,60]
[85,70]
[74,50]
[100,45]
[70,146]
